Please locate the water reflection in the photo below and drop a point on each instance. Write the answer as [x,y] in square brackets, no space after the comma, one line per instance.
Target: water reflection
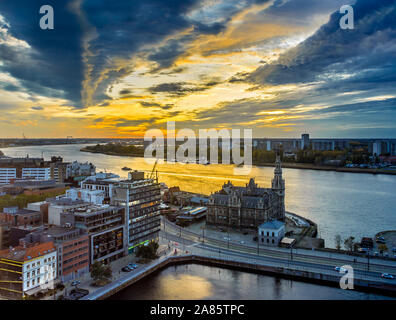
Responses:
[185,282]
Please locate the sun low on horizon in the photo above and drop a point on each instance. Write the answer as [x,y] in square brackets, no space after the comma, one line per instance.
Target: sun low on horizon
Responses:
[119,68]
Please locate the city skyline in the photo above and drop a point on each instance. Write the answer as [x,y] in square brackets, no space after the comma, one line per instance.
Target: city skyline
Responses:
[279,67]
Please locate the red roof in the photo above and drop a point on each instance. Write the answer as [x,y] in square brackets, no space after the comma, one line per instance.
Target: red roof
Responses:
[24,254]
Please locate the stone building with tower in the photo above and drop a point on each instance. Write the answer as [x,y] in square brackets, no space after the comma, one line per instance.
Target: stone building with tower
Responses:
[249,206]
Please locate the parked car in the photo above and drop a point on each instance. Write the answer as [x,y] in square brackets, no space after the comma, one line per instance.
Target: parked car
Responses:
[393,249]
[387,276]
[376,253]
[381,238]
[132,266]
[126,269]
[340,269]
[75,283]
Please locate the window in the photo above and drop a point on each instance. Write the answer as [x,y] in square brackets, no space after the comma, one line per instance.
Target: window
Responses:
[273,234]
[273,241]
[27,274]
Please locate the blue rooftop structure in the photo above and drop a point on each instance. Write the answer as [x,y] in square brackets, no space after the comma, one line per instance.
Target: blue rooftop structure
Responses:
[199,200]
[274,225]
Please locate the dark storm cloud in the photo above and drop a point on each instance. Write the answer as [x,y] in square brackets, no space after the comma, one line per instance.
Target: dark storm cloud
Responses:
[125,91]
[134,123]
[178,89]
[156,105]
[52,66]
[332,51]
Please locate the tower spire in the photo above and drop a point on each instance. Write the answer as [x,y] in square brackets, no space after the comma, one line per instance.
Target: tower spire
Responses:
[278,185]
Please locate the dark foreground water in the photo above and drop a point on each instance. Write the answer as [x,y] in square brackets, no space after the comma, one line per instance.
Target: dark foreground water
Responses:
[195,282]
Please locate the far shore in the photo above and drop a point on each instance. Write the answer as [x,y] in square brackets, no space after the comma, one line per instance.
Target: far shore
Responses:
[306,166]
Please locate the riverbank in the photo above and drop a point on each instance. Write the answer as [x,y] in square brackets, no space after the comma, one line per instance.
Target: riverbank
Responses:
[289,165]
[112,153]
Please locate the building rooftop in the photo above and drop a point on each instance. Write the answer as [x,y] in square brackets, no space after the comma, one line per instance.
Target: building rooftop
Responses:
[17,211]
[93,209]
[273,225]
[25,254]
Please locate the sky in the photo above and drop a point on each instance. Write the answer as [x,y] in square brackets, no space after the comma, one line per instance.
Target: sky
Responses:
[119,68]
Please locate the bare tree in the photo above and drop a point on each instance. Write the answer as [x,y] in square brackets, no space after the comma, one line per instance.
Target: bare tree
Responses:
[349,243]
[338,241]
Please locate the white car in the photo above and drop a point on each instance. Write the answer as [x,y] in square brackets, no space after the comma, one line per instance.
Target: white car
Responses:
[387,276]
[341,269]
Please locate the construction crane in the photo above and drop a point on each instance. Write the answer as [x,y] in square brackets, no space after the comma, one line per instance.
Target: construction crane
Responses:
[152,171]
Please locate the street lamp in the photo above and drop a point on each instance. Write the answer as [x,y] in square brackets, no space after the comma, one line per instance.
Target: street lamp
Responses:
[368,260]
[228,237]
[258,242]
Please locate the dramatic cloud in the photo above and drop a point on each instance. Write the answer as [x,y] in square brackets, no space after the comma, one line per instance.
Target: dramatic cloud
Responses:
[278,66]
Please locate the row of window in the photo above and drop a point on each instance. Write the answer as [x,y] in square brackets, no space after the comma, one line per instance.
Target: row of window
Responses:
[74,265]
[75,258]
[34,264]
[34,282]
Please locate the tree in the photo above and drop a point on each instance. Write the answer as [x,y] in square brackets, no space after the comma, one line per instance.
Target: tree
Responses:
[338,241]
[148,251]
[349,243]
[100,271]
[382,247]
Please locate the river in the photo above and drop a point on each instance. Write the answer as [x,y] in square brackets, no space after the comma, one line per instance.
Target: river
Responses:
[349,204]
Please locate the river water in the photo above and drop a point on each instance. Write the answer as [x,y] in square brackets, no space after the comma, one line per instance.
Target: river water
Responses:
[195,282]
[349,204]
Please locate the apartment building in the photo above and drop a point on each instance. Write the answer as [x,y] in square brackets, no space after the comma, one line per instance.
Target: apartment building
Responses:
[27,269]
[105,226]
[72,246]
[21,217]
[101,182]
[87,195]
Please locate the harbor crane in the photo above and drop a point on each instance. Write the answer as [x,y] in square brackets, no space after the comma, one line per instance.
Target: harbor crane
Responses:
[156,172]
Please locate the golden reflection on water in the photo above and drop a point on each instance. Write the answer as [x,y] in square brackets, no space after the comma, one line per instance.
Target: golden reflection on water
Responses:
[184,287]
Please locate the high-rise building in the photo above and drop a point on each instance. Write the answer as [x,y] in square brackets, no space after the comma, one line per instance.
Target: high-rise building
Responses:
[141,200]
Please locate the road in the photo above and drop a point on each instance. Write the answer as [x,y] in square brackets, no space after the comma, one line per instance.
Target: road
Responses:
[323,262]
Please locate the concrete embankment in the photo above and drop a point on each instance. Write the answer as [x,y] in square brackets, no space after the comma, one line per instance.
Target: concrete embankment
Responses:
[285,272]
